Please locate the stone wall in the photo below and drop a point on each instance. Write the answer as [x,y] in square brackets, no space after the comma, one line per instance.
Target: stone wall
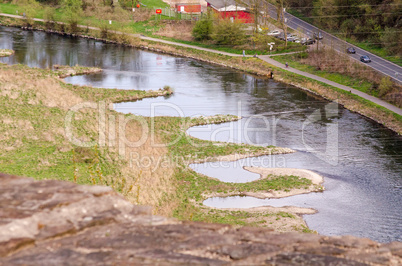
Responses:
[52,222]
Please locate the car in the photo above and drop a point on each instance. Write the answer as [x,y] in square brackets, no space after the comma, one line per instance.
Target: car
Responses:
[274,33]
[308,41]
[351,50]
[365,59]
[281,36]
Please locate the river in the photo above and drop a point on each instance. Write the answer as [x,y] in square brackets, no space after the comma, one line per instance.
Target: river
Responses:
[360,159]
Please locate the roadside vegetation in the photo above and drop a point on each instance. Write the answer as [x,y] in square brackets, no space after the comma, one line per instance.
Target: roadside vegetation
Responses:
[373,25]
[341,69]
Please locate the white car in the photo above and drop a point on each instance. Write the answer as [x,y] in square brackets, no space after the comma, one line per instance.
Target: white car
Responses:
[274,33]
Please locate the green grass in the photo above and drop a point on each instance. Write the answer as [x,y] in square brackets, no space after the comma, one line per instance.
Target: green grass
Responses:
[154,3]
[9,8]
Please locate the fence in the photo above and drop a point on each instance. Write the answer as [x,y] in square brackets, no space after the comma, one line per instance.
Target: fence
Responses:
[169,12]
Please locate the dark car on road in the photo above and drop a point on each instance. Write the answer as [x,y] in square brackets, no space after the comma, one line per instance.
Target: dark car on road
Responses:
[308,41]
[351,50]
[365,59]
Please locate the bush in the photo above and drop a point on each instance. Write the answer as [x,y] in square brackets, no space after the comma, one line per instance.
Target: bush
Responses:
[391,40]
[29,8]
[229,33]
[73,10]
[203,30]
[385,86]
[104,30]
[49,18]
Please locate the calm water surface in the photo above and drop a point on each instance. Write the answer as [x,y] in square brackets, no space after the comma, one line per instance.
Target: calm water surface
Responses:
[361,161]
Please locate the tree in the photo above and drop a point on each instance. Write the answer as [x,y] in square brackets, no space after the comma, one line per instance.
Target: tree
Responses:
[73,8]
[229,33]
[48,16]
[385,86]
[73,12]
[280,6]
[203,29]
[259,9]
[29,8]
[391,40]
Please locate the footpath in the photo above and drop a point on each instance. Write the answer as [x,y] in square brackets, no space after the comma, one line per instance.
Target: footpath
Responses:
[266,58]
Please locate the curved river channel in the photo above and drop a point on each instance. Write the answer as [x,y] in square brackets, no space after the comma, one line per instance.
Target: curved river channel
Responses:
[360,160]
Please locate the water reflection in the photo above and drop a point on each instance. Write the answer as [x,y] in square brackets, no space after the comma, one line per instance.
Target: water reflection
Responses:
[231,172]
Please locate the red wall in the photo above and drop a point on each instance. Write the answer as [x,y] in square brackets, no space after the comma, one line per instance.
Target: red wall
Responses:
[189,8]
[243,16]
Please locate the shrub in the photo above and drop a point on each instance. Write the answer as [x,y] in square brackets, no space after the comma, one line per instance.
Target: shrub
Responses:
[49,18]
[391,40]
[385,86]
[104,30]
[203,30]
[29,8]
[73,11]
[227,32]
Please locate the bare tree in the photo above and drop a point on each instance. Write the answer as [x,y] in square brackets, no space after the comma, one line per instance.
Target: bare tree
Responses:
[280,6]
[256,7]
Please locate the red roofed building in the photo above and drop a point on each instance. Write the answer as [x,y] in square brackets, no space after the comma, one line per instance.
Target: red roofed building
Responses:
[231,9]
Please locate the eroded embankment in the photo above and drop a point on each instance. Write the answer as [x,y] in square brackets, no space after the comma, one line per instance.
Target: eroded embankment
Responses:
[48,128]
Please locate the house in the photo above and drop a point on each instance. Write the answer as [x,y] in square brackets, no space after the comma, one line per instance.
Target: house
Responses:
[188,8]
[231,9]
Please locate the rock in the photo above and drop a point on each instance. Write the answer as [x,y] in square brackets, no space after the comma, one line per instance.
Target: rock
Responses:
[54,222]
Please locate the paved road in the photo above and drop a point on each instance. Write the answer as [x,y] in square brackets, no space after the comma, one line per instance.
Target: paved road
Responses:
[384,66]
[267,59]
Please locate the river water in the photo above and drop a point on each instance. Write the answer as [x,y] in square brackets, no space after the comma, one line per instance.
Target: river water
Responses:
[360,160]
